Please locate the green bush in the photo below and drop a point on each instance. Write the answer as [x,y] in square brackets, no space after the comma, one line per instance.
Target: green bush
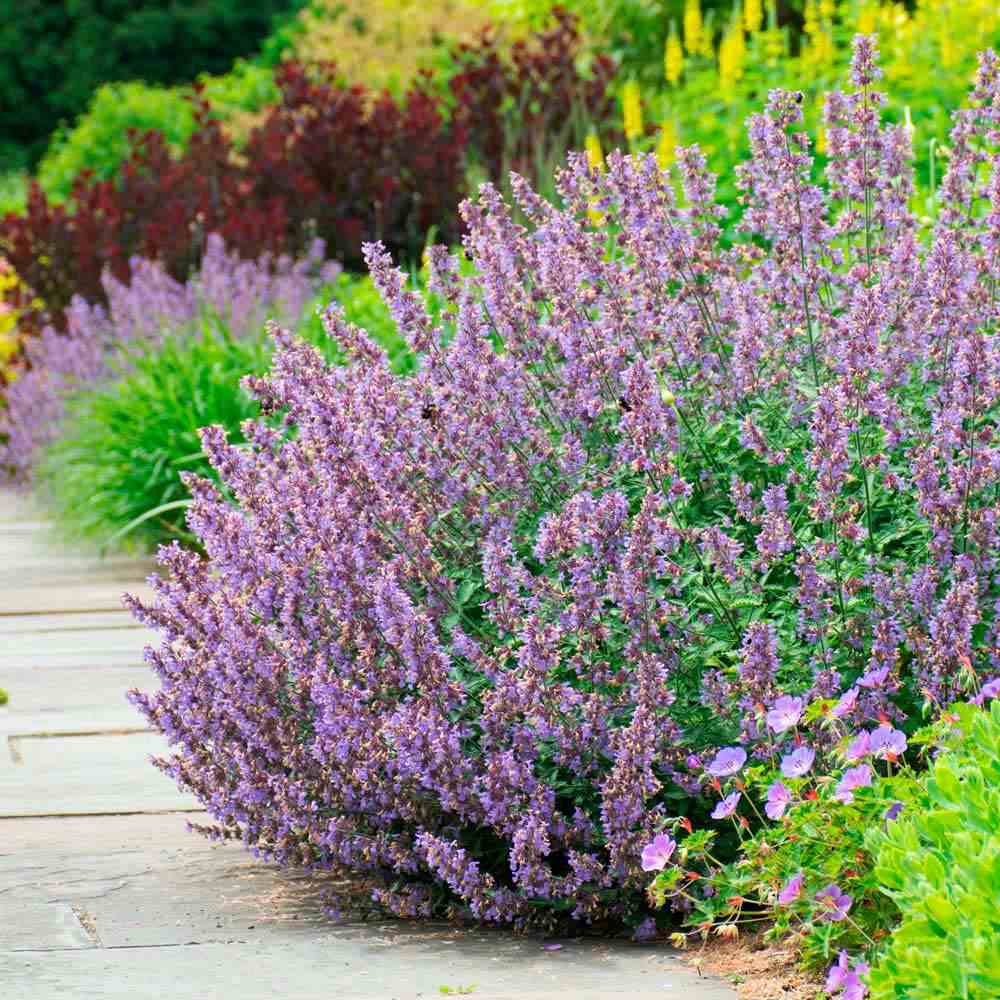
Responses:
[941,866]
[53,56]
[111,477]
[100,139]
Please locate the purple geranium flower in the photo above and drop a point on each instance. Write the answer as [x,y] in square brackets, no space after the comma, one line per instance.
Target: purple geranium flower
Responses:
[874,678]
[792,890]
[846,703]
[798,762]
[785,714]
[833,903]
[991,689]
[853,778]
[842,977]
[727,762]
[858,747]
[779,798]
[727,806]
[657,853]
[886,741]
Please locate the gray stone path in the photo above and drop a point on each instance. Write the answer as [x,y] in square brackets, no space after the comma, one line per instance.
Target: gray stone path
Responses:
[104,893]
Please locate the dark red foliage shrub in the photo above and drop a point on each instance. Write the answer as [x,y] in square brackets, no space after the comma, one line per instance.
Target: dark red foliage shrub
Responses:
[334,161]
[520,106]
[356,165]
[159,207]
[331,161]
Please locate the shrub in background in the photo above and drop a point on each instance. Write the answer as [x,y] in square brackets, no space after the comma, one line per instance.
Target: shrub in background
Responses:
[236,295]
[477,631]
[53,56]
[110,472]
[325,162]
[352,165]
[384,45]
[523,108]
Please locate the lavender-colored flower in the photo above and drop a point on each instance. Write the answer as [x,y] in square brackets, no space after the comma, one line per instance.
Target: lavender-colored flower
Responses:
[887,742]
[791,890]
[893,811]
[874,678]
[859,747]
[845,704]
[798,763]
[990,689]
[727,806]
[853,779]
[784,714]
[657,853]
[779,798]
[833,903]
[842,979]
[728,761]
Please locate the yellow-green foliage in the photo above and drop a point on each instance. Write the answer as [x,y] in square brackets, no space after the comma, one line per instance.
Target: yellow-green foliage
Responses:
[385,44]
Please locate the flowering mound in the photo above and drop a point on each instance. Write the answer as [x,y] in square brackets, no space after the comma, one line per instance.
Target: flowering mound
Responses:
[228,293]
[475,631]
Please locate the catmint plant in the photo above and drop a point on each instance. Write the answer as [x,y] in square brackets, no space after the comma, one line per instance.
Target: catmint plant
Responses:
[227,293]
[653,508]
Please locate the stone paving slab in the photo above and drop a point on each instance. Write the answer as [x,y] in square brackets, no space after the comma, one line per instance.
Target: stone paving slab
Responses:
[104,893]
[162,912]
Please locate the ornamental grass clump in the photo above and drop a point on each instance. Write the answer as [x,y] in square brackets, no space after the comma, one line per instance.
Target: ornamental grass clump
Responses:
[227,293]
[475,633]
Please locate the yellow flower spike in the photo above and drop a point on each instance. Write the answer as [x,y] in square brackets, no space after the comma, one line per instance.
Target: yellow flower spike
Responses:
[632,110]
[694,28]
[810,19]
[595,155]
[673,56]
[753,15]
[666,146]
[732,56]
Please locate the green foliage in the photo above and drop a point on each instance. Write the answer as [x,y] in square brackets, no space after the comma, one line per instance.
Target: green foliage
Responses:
[100,139]
[4,697]
[112,476]
[940,864]
[13,191]
[53,56]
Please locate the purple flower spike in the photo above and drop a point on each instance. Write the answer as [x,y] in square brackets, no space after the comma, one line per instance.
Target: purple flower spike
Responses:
[887,742]
[798,762]
[785,714]
[792,890]
[834,904]
[853,779]
[779,798]
[657,853]
[727,806]
[727,761]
